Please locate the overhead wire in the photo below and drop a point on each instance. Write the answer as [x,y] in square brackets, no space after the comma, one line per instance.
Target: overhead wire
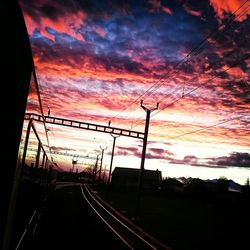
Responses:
[195,49]
[41,106]
[184,85]
[197,130]
[194,89]
[200,86]
[198,48]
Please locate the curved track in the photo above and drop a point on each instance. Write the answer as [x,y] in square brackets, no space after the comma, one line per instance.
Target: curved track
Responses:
[74,219]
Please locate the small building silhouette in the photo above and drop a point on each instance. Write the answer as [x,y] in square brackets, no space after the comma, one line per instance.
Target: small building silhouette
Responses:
[126,179]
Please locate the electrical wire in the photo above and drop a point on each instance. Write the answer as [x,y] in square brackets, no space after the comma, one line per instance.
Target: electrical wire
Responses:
[194,89]
[41,107]
[198,130]
[228,21]
[198,48]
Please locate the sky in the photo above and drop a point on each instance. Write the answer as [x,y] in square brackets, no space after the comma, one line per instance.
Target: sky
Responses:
[96,60]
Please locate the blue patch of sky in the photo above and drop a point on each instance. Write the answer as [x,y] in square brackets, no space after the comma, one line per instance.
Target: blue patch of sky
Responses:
[64,38]
[163,34]
[60,38]
[37,36]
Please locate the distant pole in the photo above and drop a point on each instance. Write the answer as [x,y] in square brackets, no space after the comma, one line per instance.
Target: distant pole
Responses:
[25,148]
[38,154]
[100,170]
[103,176]
[95,169]
[112,156]
[42,167]
[141,171]
[74,161]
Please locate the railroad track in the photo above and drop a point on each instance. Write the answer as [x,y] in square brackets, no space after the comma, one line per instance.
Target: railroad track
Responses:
[129,235]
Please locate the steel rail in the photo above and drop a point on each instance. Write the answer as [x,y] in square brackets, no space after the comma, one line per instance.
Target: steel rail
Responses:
[124,241]
[124,225]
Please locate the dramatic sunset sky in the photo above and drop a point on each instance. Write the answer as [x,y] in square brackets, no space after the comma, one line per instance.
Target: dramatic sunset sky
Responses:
[95,61]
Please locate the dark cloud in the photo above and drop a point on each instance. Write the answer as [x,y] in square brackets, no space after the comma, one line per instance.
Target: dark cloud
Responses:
[100,9]
[194,161]
[187,160]
[235,159]
[128,151]
[158,153]
[57,149]
[50,11]
[152,153]
[46,8]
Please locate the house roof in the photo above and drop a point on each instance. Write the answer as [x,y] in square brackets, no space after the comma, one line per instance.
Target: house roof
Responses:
[134,172]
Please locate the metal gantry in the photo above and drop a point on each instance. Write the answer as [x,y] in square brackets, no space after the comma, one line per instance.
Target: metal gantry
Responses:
[65,154]
[85,125]
[114,131]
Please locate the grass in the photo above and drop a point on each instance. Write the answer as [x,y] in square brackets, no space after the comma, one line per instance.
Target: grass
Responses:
[188,223]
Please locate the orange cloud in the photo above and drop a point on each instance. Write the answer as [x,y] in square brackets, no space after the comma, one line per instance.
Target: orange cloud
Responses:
[221,7]
[237,73]
[86,69]
[68,24]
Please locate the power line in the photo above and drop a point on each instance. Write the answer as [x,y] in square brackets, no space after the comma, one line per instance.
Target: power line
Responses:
[198,48]
[41,106]
[195,49]
[175,100]
[215,76]
[191,91]
[198,130]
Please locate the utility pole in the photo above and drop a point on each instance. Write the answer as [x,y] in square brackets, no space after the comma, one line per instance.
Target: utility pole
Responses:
[74,161]
[141,171]
[112,156]
[100,170]
[103,176]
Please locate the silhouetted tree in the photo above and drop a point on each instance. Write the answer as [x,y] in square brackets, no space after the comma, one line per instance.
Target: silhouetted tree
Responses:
[247,182]
[246,188]
[223,184]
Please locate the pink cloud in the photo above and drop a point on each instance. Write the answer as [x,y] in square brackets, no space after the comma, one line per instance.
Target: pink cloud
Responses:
[167,10]
[192,12]
[101,32]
